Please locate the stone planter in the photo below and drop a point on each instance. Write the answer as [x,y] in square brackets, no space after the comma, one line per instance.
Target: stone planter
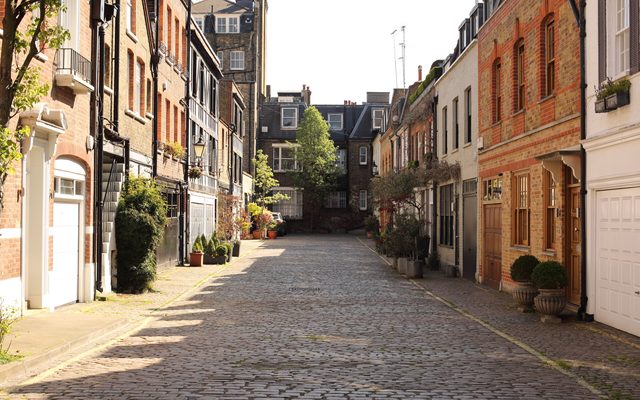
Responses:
[389,261]
[402,265]
[394,264]
[236,249]
[414,269]
[550,303]
[524,293]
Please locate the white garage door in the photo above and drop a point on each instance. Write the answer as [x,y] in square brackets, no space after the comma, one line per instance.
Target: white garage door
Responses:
[64,282]
[618,259]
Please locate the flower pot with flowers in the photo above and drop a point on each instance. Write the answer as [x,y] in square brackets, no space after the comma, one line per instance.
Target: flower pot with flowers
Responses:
[371,226]
[612,94]
[272,230]
[262,221]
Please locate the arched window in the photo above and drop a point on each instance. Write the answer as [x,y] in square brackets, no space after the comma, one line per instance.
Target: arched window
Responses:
[497,90]
[518,84]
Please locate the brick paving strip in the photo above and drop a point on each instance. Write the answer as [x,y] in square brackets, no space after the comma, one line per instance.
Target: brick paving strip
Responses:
[313,317]
[601,358]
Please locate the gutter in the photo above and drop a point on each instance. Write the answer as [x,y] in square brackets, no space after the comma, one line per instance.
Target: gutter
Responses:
[184,240]
[579,13]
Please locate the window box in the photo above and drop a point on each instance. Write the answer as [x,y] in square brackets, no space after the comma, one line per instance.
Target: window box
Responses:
[601,106]
[613,94]
[617,100]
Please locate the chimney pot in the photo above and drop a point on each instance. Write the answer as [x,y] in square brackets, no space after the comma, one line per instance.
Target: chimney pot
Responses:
[420,73]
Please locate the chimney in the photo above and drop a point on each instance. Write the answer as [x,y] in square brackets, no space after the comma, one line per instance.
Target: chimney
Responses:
[420,73]
[268,92]
[306,94]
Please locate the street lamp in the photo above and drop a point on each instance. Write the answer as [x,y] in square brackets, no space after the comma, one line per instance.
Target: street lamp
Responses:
[198,149]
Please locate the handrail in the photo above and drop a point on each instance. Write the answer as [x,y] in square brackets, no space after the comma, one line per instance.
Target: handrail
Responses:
[70,61]
[104,198]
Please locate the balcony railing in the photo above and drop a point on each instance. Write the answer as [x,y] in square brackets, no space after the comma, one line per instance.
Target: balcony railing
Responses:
[73,70]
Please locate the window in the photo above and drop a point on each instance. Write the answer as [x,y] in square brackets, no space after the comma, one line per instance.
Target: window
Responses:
[341,160]
[175,124]
[335,122]
[445,132]
[336,200]
[68,186]
[362,155]
[363,200]
[291,208]
[618,37]
[284,158]
[497,91]
[521,209]
[220,55]
[172,200]
[492,189]
[446,215]
[199,20]
[138,91]
[456,129]
[107,65]
[131,79]
[237,60]
[549,58]
[377,118]
[167,104]
[550,211]
[519,75]
[131,18]
[177,38]
[467,123]
[289,118]
[169,31]
[148,96]
[227,24]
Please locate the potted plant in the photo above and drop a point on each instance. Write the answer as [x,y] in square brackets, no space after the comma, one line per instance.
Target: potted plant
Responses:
[236,248]
[272,230]
[210,250]
[221,254]
[524,291]
[550,278]
[262,220]
[229,248]
[371,225]
[196,256]
[612,94]
[195,172]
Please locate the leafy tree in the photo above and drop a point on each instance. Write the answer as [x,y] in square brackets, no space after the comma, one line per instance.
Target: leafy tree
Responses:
[265,182]
[316,157]
[29,28]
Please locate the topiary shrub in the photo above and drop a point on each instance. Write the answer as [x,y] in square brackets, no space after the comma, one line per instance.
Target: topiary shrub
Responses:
[549,275]
[210,248]
[221,250]
[229,247]
[140,222]
[371,224]
[522,267]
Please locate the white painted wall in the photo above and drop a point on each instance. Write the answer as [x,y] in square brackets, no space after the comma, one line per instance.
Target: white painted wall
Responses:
[11,292]
[612,146]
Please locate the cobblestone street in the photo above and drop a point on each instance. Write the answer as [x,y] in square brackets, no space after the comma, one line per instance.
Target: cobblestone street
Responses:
[309,317]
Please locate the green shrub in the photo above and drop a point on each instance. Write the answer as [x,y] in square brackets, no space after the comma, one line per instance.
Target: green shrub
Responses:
[611,87]
[522,267]
[433,261]
[210,247]
[197,246]
[371,224]
[229,247]
[140,222]
[221,250]
[549,275]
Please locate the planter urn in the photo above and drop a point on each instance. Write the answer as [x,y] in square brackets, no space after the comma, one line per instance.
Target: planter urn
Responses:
[236,249]
[272,234]
[524,293]
[369,235]
[402,265]
[414,269]
[394,265]
[550,303]
[196,259]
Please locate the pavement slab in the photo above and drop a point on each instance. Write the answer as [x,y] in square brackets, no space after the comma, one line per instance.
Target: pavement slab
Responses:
[317,317]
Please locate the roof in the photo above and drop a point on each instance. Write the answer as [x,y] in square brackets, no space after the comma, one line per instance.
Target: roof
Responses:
[218,7]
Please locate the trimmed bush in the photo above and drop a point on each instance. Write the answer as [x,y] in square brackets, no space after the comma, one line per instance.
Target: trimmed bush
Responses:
[140,221]
[522,268]
[371,223]
[210,248]
[549,275]
[222,250]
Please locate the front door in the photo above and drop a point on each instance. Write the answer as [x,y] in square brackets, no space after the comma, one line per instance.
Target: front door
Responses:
[66,256]
[573,246]
[469,236]
[492,268]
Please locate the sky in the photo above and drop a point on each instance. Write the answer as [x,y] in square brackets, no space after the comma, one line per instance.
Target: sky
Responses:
[342,49]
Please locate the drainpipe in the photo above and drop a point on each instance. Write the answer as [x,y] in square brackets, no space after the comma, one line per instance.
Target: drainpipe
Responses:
[184,242]
[434,212]
[579,13]
[155,60]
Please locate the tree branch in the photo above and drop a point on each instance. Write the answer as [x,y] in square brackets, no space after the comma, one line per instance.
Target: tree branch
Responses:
[33,46]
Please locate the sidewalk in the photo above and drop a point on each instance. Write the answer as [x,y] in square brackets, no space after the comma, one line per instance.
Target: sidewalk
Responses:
[601,356]
[48,338]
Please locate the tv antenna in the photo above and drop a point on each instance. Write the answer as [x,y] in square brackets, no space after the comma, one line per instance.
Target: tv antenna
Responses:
[403,45]
[395,57]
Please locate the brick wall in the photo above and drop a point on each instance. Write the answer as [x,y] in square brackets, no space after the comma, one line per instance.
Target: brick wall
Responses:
[547,124]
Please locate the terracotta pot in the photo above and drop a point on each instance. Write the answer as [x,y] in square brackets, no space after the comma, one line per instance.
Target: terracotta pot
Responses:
[523,294]
[369,235]
[196,259]
[257,234]
[550,303]
[272,234]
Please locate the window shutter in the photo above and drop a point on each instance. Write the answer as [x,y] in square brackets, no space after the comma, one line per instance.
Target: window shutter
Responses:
[635,38]
[602,41]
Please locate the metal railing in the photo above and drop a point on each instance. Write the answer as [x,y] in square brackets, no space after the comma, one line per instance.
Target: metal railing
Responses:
[69,61]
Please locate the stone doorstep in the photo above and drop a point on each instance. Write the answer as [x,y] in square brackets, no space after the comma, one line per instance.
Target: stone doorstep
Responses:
[34,364]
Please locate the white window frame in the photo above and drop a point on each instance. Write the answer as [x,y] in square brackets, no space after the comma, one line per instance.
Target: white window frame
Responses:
[129,12]
[363,200]
[224,23]
[277,157]
[137,88]
[363,156]
[236,62]
[618,38]
[295,118]
[292,208]
[379,117]
[199,20]
[220,55]
[69,19]
[341,121]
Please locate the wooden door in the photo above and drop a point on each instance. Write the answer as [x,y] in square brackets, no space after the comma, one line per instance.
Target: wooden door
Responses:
[492,268]
[469,234]
[574,237]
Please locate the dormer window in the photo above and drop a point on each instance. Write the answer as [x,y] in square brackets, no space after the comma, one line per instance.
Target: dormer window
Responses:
[289,118]
[335,122]
[377,118]
[227,24]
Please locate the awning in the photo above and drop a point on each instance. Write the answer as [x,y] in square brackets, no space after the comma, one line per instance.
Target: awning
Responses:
[554,161]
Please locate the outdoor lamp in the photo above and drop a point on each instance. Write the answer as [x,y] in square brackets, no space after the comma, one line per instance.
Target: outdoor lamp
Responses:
[198,148]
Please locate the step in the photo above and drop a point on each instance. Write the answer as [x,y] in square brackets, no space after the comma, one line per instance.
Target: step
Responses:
[108,216]
[107,227]
[115,177]
[119,167]
[110,206]
[113,187]
[111,197]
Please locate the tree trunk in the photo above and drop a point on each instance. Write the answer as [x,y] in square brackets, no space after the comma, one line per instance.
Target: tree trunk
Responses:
[6,63]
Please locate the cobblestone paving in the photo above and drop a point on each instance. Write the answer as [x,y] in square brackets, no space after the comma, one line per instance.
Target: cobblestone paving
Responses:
[318,317]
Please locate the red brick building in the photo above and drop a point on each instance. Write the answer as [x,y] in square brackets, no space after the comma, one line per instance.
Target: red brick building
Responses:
[529,104]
